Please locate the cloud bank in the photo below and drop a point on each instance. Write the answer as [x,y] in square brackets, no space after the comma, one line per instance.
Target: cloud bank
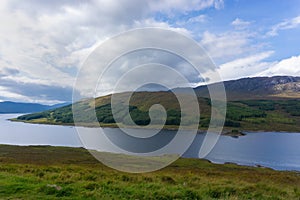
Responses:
[44,43]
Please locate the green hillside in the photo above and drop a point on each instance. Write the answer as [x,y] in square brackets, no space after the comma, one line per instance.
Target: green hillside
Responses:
[253,115]
[44,172]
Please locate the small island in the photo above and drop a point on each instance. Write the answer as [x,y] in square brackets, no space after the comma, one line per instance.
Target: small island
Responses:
[234,133]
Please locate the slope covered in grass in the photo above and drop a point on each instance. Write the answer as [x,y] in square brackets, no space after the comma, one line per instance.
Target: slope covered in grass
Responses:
[43,172]
[266,115]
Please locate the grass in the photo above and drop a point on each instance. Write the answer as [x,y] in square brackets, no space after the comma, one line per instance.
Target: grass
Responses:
[44,172]
[250,115]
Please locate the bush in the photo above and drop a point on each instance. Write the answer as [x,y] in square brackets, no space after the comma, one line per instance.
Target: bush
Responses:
[231,123]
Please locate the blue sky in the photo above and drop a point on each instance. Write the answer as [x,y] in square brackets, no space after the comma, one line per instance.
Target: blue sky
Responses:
[43,44]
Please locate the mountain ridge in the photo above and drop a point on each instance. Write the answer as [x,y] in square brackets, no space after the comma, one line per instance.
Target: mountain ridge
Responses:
[21,107]
[276,87]
[250,110]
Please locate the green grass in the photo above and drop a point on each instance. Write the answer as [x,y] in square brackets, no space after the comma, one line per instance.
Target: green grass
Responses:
[40,172]
[251,115]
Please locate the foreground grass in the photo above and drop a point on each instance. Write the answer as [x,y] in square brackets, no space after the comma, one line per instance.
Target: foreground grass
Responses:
[40,172]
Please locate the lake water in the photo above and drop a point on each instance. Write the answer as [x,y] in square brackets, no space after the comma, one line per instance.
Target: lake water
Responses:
[276,150]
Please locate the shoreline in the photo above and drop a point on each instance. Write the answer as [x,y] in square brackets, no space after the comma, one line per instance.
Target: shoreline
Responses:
[254,165]
[226,130]
[37,172]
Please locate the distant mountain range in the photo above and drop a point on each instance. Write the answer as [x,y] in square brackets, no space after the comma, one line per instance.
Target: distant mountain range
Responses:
[263,103]
[277,87]
[17,107]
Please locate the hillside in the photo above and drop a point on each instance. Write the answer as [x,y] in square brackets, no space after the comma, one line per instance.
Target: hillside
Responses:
[44,172]
[266,113]
[277,87]
[16,107]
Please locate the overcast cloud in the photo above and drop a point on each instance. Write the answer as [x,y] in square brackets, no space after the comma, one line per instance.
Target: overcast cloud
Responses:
[44,43]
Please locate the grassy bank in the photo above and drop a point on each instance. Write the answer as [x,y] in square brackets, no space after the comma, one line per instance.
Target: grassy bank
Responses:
[250,115]
[43,172]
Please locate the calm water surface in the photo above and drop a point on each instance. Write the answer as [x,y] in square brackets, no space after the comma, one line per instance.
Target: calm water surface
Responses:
[277,150]
[17,133]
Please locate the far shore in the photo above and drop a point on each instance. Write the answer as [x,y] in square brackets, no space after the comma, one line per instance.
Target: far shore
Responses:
[227,131]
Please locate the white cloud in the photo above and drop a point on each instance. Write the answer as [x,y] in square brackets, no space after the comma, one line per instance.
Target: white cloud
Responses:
[287,24]
[240,24]
[247,61]
[183,5]
[255,65]
[47,41]
[237,52]
[5,95]
[43,43]
[227,45]
[197,19]
[288,67]
[192,21]
[150,22]
[153,38]
[244,67]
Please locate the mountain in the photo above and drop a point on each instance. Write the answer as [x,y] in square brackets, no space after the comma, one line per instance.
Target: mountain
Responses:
[17,107]
[277,87]
[270,104]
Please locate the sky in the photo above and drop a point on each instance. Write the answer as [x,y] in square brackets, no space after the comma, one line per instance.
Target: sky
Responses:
[43,44]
